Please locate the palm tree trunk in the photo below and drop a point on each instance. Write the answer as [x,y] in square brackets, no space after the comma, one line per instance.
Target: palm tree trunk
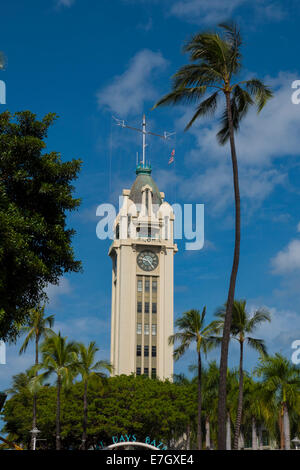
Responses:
[280,422]
[254,434]
[58,443]
[241,443]
[228,433]
[35,395]
[231,291]
[207,433]
[85,416]
[199,433]
[260,439]
[286,427]
[240,400]
[188,436]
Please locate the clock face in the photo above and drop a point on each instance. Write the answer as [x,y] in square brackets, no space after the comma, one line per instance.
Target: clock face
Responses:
[147,260]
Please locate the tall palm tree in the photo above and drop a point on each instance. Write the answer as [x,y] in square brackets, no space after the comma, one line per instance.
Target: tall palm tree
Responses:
[216,62]
[192,329]
[282,379]
[38,326]
[60,358]
[243,324]
[89,369]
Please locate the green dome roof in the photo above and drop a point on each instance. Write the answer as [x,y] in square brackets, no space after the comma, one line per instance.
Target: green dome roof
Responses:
[143,178]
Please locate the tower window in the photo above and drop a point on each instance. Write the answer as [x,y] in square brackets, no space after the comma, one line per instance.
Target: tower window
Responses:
[153,351]
[139,307]
[147,285]
[146,351]
[146,307]
[139,328]
[153,330]
[154,307]
[138,371]
[146,331]
[146,371]
[140,285]
[153,373]
[139,350]
[154,286]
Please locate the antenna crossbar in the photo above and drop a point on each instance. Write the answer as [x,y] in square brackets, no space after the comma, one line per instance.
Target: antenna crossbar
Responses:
[164,136]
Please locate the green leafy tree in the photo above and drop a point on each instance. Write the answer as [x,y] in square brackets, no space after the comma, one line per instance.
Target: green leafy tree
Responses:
[192,329]
[36,329]
[242,325]
[139,407]
[35,197]
[89,370]
[59,358]
[216,62]
[282,379]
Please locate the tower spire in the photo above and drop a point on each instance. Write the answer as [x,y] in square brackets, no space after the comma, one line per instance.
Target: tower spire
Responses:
[144,139]
[165,136]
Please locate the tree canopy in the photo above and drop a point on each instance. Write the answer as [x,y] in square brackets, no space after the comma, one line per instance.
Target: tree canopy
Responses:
[36,192]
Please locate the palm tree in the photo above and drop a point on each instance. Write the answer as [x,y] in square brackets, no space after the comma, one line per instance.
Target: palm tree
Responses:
[20,382]
[216,61]
[192,329]
[242,325]
[210,399]
[282,379]
[89,369]
[188,385]
[260,410]
[38,326]
[59,357]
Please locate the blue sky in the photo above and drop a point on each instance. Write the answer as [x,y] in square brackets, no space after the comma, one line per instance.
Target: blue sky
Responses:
[89,60]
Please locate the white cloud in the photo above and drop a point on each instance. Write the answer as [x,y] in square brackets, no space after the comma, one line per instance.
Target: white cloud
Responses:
[55,291]
[283,329]
[204,11]
[288,259]
[214,11]
[129,91]
[65,3]
[272,134]
[261,141]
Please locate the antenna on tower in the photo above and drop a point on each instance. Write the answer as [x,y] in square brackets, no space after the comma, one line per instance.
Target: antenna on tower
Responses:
[165,135]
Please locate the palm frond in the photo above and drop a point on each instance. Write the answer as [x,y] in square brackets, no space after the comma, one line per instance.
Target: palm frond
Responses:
[261,92]
[181,95]
[205,108]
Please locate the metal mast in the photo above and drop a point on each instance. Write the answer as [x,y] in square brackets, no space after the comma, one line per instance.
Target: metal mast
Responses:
[165,136]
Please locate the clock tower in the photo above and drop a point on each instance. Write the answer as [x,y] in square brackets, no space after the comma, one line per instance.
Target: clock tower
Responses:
[142,255]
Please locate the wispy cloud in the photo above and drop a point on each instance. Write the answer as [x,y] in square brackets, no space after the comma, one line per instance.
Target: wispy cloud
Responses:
[204,11]
[214,11]
[55,291]
[65,3]
[128,92]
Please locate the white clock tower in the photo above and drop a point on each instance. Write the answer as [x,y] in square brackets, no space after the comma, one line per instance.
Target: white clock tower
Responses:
[142,255]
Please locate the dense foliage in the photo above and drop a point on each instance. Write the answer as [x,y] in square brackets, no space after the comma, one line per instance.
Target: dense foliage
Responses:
[121,405]
[35,195]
